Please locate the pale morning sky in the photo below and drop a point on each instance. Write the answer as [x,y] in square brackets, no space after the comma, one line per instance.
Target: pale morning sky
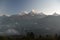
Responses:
[16,6]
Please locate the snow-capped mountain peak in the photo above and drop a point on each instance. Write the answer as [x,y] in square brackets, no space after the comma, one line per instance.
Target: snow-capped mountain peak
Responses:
[23,13]
[55,14]
[33,11]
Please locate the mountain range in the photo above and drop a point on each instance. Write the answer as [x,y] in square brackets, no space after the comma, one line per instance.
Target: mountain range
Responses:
[39,23]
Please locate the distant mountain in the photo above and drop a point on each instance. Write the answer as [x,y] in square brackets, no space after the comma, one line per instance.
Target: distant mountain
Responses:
[35,13]
[55,14]
[23,13]
[39,23]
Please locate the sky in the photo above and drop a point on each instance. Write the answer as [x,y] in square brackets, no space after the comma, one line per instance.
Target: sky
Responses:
[11,7]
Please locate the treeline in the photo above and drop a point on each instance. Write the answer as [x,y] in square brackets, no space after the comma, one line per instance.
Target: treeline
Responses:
[30,36]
